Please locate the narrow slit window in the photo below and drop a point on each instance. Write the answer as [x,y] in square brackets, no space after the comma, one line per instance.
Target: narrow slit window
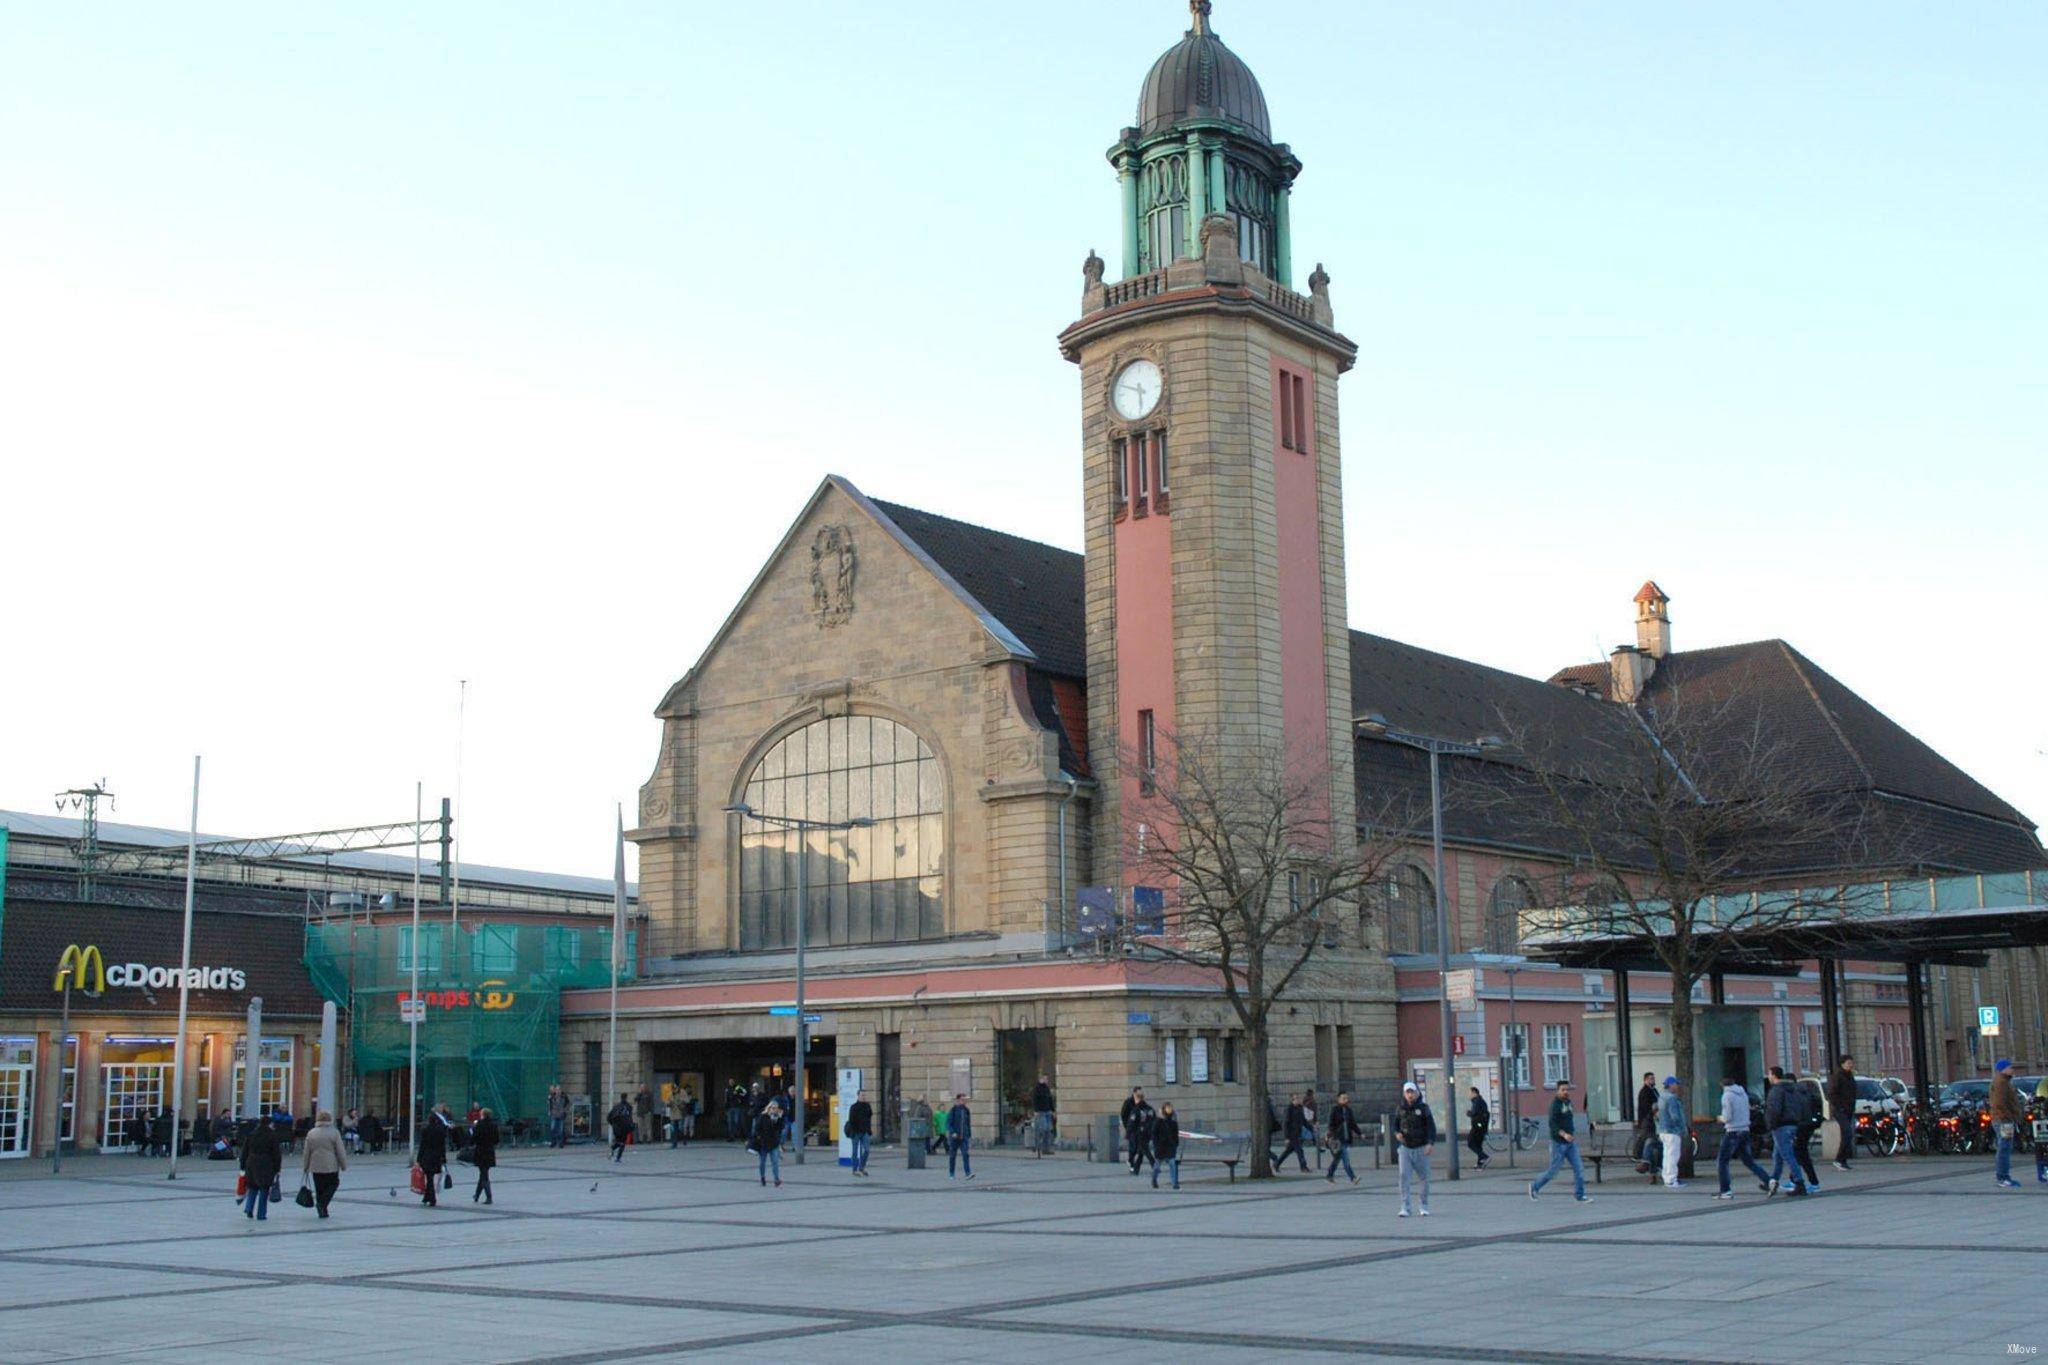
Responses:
[1300,387]
[1148,748]
[1123,475]
[1286,411]
[1143,491]
[1159,462]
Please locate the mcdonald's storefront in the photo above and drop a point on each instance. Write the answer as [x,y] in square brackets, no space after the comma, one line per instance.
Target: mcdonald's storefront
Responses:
[112,1061]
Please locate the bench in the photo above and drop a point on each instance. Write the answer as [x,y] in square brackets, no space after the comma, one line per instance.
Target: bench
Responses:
[1602,1144]
[1227,1152]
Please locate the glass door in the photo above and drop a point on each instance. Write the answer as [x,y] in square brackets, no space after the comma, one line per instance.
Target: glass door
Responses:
[17,1090]
[131,1090]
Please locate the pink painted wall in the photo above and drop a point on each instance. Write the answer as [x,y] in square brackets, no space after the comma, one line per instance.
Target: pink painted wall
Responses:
[1304,677]
[1144,632]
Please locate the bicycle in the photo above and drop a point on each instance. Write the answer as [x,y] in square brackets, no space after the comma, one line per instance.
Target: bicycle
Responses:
[1527,1132]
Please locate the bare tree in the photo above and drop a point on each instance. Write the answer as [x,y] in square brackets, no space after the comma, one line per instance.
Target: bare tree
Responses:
[1260,881]
[1690,826]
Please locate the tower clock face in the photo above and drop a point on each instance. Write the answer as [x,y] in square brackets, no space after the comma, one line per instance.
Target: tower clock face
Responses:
[1135,391]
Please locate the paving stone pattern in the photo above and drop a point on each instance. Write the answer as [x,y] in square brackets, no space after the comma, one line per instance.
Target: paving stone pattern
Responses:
[678,1254]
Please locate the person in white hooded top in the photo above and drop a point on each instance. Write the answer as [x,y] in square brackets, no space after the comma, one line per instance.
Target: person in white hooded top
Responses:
[1735,1137]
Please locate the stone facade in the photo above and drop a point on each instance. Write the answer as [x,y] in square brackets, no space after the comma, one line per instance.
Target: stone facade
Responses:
[900,644]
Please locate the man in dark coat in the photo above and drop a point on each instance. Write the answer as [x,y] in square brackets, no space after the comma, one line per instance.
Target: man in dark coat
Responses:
[1137,1120]
[960,1136]
[860,1130]
[766,1142]
[1646,1119]
[1294,1127]
[1784,1112]
[1041,1114]
[621,1121]
[1842,1109]
[262,1157]
[1481,1118]
[431,1155]
[483,1150]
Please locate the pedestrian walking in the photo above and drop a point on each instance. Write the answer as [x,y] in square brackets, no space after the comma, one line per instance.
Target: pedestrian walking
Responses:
[483,1150]
[1343,1132]
[322,1159]
[1672,1126]
[646,1119]
[1784,1112]
[1041,1115]
[1166,1145]
[1137,1116]
[2003,1105]
[860,1130]
[1481,1118]
[692,1106]
[1841,1094]
[675,1117]
[959,1137]
[621,1122]
[1564,1146]
[558,1116]
[430,1154]
[1646,1121]
[937,1141]
[262,1155]
[1735,1137]
[766,1142]
[1811,1105]
[1294,1129]
[1415,1130]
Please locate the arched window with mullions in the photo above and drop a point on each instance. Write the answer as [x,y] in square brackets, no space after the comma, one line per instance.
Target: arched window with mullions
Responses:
[1511,895]
[882,883]
[1408,901]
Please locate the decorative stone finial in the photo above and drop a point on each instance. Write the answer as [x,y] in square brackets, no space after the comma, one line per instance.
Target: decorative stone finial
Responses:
[1200,9]
[1319,296]
[1091,269]
[1218,238]
[1093,294]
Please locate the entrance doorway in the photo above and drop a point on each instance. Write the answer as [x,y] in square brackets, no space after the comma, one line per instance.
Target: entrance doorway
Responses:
[757,1066]
[1022,1056]
[17,1090]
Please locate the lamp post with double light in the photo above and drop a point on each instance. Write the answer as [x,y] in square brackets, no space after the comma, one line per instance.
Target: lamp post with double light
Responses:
[1378,726]
[803,899]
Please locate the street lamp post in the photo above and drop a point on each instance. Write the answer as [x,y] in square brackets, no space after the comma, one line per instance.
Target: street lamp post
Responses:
[803,910]
[1376,724]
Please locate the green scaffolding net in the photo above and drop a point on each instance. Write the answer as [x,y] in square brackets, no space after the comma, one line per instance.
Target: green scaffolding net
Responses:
[489,1002]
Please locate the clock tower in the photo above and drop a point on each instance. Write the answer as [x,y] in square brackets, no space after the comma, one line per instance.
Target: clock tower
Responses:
[1215,528]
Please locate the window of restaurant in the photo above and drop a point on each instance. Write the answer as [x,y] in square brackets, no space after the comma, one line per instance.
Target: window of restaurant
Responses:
[17,1094]
[273,1081]
[135,1082]
[68,1085]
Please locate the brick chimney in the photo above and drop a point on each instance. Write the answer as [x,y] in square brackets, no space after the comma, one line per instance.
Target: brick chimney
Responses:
[1653,621]
[1631,669]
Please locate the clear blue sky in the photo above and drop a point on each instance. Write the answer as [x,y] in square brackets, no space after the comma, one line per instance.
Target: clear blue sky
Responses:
[407,343]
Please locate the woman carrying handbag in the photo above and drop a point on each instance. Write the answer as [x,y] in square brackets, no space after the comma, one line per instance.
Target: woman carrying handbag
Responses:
[431,1156]
[321,1161]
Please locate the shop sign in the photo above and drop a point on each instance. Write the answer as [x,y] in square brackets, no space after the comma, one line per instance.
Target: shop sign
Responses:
[488,995]
[77,966]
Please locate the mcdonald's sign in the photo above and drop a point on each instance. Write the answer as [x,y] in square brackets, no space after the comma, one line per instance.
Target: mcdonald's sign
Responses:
[73,965]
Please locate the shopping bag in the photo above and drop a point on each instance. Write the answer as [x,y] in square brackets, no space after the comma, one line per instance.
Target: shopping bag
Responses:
[447,1181]
[304,1198]
[241,1184]
[419,1179]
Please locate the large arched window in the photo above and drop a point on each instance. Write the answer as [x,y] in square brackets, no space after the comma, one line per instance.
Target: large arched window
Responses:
[1511,895]
[1408,901]
[877,884]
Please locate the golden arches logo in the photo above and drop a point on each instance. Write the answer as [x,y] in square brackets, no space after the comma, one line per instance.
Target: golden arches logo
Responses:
[494,995]
[73,965]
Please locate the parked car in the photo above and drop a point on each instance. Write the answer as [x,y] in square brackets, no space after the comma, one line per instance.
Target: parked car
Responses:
[1896,1088]
[1972,1091]
[1871,1097]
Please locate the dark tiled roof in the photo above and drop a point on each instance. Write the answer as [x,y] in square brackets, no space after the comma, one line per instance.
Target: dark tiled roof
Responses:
[268,947]
[1034,589]
[1839,740]
[1842,743]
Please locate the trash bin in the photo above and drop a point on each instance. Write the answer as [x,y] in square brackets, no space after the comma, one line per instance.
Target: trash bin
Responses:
[1109,1133]
[917,1132]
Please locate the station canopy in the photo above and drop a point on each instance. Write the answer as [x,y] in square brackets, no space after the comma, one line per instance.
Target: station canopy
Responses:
[1954,920]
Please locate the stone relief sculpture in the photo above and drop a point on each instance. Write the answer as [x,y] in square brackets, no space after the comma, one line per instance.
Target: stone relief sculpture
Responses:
[832,573]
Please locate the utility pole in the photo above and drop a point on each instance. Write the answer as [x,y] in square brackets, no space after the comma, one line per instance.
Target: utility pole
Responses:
[86,800]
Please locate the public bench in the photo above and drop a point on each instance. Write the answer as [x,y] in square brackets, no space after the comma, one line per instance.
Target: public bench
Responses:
[1217,1151]
[1603,1144]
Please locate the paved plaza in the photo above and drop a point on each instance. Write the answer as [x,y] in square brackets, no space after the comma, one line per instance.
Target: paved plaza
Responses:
[682,1253]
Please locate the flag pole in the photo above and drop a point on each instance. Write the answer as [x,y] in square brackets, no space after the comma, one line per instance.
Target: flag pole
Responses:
[611,1050]
[184,975]
[412,1096]
[455,839]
